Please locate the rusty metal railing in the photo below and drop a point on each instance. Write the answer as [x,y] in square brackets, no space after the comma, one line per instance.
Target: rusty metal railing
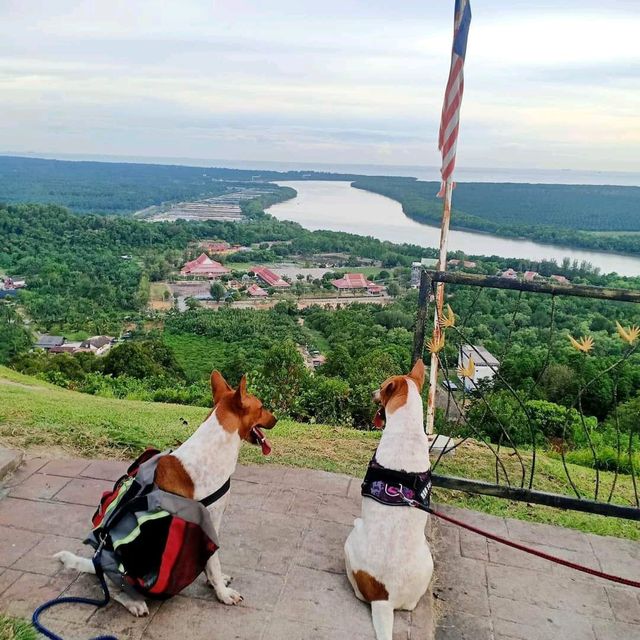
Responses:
[515,464]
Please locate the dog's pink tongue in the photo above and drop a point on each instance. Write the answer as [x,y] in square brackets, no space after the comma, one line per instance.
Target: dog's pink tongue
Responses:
[378,420]
[264,443]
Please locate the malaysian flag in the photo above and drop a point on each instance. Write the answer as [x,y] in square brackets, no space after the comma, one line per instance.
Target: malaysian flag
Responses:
[450,122]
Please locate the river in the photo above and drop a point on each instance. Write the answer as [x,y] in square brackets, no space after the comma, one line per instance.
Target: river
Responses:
[337,206]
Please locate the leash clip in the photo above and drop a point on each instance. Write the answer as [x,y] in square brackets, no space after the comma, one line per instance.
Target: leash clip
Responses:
[410,501]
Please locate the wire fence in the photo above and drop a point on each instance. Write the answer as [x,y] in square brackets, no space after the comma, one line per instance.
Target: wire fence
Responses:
[538,414]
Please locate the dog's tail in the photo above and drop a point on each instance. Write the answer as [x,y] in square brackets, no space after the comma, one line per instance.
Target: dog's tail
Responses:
[72,561]
[382,615]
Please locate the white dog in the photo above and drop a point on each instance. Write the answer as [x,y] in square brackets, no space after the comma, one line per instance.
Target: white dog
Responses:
[200,466]
[388,560]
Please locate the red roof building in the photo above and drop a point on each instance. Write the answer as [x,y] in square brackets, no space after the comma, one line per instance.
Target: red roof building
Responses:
[374,289]
[355,281]
[530,276]
[270,278]
[204,266]
[257,292]
[215,246]
[560,279]
[510,273]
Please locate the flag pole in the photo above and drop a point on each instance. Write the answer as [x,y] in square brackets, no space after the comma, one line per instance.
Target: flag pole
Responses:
[447,143]
[439,303]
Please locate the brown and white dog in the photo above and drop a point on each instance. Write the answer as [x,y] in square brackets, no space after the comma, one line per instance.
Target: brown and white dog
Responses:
[387,557]
[200,466]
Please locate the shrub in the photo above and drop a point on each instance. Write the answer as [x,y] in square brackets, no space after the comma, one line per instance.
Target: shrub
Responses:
[326,400]
[503,414]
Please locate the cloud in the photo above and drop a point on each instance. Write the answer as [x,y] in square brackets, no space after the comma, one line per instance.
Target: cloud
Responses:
[346,81]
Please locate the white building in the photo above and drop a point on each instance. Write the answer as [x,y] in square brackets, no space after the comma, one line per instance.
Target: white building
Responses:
[486,364]
[417,267]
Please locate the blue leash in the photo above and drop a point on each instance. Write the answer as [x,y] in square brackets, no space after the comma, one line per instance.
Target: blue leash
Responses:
[75,600]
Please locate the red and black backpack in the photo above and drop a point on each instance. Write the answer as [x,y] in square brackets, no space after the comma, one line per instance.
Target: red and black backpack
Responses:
[150,541]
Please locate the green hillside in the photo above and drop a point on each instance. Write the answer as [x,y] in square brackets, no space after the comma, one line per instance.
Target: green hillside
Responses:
[37,414]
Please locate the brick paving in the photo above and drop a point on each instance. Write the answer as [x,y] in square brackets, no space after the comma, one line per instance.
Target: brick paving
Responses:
[487,591]
[282,540]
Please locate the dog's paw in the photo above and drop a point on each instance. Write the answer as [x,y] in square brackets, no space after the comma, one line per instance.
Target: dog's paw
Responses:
[138,608]
[225,578]
[67,558]
[229,596]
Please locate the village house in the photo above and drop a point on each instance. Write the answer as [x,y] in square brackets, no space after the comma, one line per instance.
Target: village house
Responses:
[204,267]
[9,287]
[213,246]
[99,345]
[12,283]
[375,289]
[317,360]
[485,364]
[530,276]
[560,279]
[270,278]
[48,342]
[512,274]
[467,264]
[67,347]
[256,291]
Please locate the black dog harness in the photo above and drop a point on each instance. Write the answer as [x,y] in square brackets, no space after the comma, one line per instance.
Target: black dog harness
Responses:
[396,488]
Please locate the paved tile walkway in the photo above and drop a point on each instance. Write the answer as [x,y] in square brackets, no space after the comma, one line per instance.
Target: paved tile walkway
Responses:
[282,543]
[491,592]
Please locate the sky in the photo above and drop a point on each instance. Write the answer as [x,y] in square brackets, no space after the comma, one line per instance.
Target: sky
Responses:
[548,84]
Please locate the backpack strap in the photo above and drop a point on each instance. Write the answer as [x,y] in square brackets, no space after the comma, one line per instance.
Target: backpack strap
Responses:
[217,494]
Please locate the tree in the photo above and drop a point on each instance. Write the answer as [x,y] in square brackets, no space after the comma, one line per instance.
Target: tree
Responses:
[393,289]
[217,291]
[282,378]
[14,338]
[339,363]
[143,359]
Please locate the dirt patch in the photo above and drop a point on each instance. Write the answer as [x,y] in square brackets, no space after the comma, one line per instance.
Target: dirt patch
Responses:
[18,384]
[160,305]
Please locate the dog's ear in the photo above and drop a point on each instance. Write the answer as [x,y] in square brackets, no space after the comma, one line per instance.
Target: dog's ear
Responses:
[417,373]
[387,391]
[219,386]
[241,393]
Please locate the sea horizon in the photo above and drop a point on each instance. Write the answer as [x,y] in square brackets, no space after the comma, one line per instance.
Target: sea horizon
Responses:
[426,173]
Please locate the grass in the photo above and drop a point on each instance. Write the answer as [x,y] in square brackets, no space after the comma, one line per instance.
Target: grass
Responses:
[157,290]
[34,413]
[15,629]
[157,298]
[474,460]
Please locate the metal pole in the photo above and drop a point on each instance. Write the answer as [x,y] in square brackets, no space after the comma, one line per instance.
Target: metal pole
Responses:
[421,317]
[442,266]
